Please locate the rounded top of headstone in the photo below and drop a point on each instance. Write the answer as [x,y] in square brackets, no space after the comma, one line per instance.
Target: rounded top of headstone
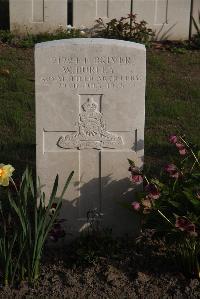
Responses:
[90,41]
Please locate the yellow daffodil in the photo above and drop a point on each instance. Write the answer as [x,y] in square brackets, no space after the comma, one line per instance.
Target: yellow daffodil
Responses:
[5,174]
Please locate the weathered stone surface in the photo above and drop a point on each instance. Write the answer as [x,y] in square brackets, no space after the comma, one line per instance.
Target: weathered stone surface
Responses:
[90,101]
[195,14]
[85,12]
[37,16]
[168,18]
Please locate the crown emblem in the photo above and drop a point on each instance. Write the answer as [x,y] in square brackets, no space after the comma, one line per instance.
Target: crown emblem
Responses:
[91,130]
[90,105]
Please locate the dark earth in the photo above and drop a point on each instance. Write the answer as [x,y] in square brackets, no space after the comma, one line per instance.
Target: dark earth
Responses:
[100,267]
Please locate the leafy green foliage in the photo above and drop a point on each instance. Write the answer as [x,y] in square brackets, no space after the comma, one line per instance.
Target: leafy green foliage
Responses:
[26,222]
[171,205]
[125,28]
[29,40]
[6,36]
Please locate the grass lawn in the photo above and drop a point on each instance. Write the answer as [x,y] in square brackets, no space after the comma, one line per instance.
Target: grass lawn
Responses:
[172,103]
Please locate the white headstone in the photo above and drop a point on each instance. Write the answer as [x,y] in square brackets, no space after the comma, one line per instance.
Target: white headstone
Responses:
[85,12]
[168,18]
[195,14]
[35,16]
[90,101]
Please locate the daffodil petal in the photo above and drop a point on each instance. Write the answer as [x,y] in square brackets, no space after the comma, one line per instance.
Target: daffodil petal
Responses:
[8,169]
[5,181]
[6,172]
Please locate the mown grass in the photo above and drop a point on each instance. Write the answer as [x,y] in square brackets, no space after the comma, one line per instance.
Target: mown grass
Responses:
[172,104]
[17,113]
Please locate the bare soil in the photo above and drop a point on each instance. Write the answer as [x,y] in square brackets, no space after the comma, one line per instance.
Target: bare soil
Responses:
[123,269]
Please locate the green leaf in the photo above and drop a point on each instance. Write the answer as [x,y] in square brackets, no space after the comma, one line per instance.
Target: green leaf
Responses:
[19,212]
[175,203]
[54,191]
[9,258]
[189,195]
[131,162]
[157,183]
[196,202]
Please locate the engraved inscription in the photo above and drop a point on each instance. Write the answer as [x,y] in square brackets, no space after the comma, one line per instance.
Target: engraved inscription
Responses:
[99,72]
[91,131]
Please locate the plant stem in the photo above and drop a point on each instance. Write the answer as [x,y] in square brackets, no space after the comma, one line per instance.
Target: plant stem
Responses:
[193,166]
[195,157]
[36,270]
[165,217]
[174,185]
[12,181]
[146,179]
[131,17]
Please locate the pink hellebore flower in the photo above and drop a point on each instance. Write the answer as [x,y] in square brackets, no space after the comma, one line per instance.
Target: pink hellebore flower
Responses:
[181,148]
[198,194]
[185,225]
[173,139]
[153,192]
[136,205]
[136,178]
[136,175]
[172,170]
[183,152]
